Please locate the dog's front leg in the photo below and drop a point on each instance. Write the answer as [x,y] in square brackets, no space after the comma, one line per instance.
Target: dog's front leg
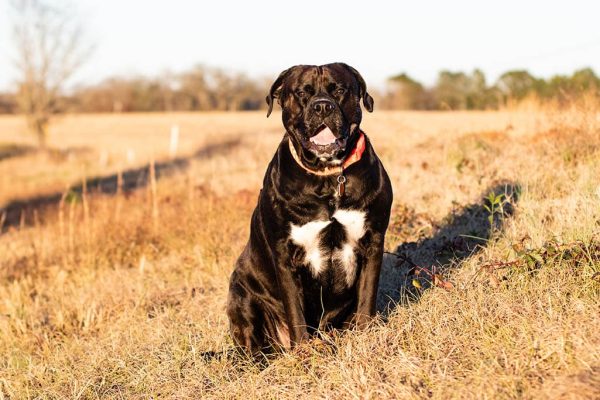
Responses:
[292,299]
[368,281]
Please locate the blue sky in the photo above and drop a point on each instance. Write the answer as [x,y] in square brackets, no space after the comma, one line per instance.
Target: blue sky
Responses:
[379,38]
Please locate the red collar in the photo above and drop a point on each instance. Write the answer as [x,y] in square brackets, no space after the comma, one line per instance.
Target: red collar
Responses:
[354,156]
[357,152]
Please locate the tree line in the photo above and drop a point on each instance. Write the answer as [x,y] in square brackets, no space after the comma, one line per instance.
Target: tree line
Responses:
[204,89]
[199,89]
[464,91]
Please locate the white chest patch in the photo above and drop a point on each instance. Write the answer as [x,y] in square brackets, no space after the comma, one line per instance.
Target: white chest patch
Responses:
[307,236]
[319,254]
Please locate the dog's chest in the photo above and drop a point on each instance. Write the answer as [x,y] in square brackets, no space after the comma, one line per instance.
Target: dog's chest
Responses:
[331,244]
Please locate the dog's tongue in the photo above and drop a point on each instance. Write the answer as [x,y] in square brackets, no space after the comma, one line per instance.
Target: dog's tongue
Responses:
[324,137]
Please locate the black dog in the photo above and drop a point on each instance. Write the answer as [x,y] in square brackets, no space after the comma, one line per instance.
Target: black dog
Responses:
[316,240]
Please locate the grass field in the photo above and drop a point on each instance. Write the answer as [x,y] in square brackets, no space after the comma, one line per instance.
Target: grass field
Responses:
[113,273]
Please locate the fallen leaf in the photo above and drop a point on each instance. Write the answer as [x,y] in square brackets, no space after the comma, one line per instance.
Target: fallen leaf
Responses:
[439,281]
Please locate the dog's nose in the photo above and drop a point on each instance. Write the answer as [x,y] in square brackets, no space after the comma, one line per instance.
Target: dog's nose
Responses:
[323,107]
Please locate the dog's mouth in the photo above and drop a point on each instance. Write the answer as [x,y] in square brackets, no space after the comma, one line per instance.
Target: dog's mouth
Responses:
[325,142]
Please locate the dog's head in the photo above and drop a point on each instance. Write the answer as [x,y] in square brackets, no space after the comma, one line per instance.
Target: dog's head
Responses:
[321,109]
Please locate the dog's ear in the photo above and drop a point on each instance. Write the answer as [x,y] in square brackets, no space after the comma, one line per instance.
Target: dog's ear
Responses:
[366,97]
[275,91]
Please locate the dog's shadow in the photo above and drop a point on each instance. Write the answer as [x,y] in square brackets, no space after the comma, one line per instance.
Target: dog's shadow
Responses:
[461,235]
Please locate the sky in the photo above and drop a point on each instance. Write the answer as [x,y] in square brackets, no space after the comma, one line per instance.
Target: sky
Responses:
[379,38]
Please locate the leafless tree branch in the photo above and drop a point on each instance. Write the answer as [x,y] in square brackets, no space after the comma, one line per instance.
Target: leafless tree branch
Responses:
[49,50]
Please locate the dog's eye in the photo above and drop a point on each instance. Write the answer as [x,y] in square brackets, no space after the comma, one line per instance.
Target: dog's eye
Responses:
[339,92]
[301,94]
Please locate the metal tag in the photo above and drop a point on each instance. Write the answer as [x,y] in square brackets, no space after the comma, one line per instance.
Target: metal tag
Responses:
[341,189]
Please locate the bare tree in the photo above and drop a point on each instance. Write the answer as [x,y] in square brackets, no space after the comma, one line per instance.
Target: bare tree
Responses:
[49,50]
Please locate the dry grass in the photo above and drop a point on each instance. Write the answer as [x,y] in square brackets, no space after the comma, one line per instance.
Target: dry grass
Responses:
[122,294]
